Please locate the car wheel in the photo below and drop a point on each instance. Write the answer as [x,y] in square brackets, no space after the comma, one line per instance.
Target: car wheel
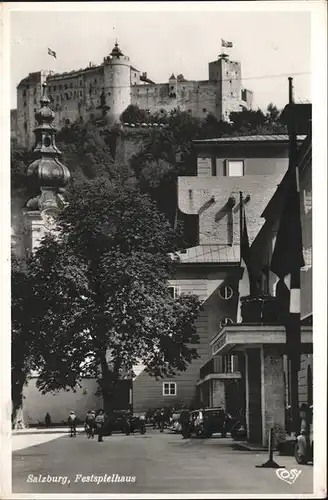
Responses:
[142,430]
[300,459]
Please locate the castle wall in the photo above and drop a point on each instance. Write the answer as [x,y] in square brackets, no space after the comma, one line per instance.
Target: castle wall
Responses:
[77,94]
[196,97]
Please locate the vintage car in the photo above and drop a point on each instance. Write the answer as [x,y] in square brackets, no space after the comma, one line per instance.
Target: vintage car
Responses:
[118,421]
[138,423]
[206,422]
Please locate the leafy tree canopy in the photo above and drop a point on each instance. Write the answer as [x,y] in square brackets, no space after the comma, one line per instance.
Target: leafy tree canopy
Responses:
[101,301]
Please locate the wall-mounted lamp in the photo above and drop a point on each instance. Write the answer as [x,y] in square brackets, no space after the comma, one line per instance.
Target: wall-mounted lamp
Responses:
[190,193]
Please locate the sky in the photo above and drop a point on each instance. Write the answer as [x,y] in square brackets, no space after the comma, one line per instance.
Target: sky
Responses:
[270,45]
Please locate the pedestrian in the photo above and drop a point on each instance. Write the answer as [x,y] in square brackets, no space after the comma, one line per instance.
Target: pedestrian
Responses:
[184,421]
[100,421]
[47,420]
[72,423]
[89,423]
[162,420]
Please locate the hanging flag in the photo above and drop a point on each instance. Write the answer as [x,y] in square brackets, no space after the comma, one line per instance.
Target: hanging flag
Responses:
[228,45]
[52,53]
[245,281]
[287,261]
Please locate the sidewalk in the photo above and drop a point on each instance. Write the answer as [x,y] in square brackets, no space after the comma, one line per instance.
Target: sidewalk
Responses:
[45,430]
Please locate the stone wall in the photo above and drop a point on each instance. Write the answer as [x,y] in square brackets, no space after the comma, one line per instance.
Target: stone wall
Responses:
[60,403]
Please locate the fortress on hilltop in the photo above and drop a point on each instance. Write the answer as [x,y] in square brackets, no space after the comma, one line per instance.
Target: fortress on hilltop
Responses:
[109,88]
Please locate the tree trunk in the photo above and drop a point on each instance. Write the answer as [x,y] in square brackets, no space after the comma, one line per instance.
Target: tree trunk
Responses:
[108,384]
[17,417]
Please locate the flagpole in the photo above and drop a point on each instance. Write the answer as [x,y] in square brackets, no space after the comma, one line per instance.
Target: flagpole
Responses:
[294,353]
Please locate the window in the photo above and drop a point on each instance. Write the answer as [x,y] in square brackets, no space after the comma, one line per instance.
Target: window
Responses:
[230,364]
[24,103]
[65,86]
[169,389]
[49,88]
[234,168]
[60,87]
[174,291]
[225,321]
[213,167]
[225,292]
[71,85]
[204,110]
[55,87]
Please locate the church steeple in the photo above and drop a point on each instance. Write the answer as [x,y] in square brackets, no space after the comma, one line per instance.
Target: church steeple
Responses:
[46,172]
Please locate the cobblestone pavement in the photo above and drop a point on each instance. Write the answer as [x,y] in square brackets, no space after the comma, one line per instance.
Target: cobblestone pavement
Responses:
[160,463]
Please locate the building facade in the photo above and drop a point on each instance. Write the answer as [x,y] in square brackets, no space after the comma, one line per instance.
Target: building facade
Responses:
[109,88]
[230,171]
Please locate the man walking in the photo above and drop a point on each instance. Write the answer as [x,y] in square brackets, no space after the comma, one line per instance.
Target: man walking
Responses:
[162,420]
[100,421]
[184,421]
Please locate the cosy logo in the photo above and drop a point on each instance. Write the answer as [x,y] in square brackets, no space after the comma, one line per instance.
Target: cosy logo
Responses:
[289,476]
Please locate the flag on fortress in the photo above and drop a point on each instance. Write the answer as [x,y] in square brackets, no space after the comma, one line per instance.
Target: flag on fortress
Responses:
[228,45]
[287,261]
[52,53]
[245,281]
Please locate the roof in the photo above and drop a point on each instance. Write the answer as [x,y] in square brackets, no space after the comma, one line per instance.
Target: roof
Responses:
[248,138]
[210,254]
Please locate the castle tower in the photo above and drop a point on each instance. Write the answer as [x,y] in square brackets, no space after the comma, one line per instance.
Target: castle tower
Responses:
[227,76]
[117,83]
[46,175]
[173,86]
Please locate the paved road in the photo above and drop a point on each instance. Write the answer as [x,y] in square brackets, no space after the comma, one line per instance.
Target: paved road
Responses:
[160,463]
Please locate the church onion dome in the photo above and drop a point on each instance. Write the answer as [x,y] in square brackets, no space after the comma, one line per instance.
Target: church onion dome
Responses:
[172,77]
[46,172]
[116,52]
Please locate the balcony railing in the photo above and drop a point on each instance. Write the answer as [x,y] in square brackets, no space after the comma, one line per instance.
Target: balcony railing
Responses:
[220,364]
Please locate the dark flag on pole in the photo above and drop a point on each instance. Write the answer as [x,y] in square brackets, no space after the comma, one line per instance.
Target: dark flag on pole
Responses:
[287,261]
[245,281]
[52,53]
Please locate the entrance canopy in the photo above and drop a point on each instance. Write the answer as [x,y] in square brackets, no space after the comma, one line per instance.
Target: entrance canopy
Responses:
[240,336]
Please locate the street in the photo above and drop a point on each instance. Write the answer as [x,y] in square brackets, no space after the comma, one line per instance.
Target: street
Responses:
[160,463]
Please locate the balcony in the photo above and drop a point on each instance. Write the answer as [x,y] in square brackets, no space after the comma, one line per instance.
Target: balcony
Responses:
[235,338]
[220,368]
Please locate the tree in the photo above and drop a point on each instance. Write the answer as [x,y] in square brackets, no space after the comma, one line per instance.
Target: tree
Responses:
[133,114]
[166,154]
[22,354]
[211,127]
[85,150]
[100,295]
[18,164]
